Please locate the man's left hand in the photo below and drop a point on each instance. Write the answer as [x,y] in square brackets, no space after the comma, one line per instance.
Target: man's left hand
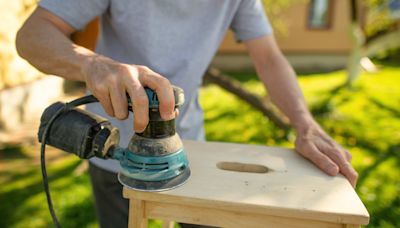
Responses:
[314,144]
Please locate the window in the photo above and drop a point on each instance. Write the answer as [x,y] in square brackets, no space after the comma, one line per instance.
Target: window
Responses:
[320,14]
[394,7]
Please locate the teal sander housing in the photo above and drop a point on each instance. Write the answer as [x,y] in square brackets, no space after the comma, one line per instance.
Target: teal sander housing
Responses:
[155,159]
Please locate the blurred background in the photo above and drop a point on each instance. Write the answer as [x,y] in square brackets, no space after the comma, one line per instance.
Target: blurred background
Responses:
[347,57]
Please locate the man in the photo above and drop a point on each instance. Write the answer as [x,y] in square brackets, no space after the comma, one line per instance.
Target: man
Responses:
[156,43]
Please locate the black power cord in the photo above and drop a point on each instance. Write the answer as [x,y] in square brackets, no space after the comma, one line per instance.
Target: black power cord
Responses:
[80,101]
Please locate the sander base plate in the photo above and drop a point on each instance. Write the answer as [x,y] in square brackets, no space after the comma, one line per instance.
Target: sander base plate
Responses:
[154,186]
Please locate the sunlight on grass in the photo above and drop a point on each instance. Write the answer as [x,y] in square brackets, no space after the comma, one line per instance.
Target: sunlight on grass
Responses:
[365,119]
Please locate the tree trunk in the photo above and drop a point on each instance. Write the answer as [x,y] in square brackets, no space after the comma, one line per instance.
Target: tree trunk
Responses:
[358,41]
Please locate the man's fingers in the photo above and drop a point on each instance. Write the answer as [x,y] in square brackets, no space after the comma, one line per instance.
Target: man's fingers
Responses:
[351,174]
[163,89]
[119,103]
[312,153]
[339,157]
[347,154]
[140,106]
[105,101]
[176,113]
[167,102]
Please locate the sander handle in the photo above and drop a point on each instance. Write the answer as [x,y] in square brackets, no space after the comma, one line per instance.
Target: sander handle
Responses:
[151,95]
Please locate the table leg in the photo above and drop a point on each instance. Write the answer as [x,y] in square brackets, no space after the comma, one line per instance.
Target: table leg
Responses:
[167,224]
[137,216]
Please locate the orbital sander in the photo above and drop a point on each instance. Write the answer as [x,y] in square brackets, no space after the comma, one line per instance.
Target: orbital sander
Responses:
[155,159]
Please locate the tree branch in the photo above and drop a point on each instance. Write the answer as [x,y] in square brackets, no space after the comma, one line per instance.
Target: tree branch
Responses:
[213,75]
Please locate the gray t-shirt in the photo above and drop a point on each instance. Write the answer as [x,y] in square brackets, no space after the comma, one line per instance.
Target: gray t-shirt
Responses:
[176,38]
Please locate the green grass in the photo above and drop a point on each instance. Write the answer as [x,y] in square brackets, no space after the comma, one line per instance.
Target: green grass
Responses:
[23,203]
[365,119]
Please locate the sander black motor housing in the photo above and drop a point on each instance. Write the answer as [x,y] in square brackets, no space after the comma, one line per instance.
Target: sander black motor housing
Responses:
[79,132]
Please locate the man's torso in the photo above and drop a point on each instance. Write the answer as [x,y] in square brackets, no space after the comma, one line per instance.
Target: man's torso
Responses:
[176,39]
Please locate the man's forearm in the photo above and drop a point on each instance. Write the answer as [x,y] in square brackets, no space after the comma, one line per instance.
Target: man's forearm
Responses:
[44,42]
[49,49]
[280,80]
[312,141]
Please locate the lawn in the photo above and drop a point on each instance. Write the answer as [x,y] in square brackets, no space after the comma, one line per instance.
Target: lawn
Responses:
[364,118]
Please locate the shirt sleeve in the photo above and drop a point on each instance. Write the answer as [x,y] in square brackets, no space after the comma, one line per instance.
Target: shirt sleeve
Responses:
[250,21]
[77,13]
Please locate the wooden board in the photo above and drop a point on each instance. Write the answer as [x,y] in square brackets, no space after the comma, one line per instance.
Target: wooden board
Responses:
[225,218]
[292,188]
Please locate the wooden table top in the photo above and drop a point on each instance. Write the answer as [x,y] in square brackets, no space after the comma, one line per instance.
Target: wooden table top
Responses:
[292,186]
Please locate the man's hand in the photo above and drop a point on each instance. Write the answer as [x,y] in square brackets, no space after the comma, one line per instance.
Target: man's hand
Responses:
[280,79]
[44,41]
[110,81]
[314,144]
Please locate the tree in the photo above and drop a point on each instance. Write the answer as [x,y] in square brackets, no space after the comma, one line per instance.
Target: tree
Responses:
[378,35]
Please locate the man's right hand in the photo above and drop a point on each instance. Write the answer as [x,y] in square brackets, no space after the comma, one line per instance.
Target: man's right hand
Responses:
[110,81]
[44,41]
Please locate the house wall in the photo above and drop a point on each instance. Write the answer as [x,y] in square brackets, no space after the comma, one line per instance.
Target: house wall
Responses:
[299,39]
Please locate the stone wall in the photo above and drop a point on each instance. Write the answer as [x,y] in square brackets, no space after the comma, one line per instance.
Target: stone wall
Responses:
[24,91]
[13,69]
[26,102]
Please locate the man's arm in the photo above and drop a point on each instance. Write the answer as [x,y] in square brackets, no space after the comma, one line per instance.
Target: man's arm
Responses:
[280,80]
[44,41]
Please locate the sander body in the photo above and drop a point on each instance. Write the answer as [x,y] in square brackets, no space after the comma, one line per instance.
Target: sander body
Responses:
[155,159]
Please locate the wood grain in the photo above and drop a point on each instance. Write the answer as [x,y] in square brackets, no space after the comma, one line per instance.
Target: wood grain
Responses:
[137,217]
[167,224]
[293,188]
[223,218]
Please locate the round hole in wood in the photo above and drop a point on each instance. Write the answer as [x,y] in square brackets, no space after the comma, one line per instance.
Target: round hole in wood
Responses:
[242,167]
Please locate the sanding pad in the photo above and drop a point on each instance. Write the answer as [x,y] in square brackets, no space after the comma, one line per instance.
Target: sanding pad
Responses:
[154,186]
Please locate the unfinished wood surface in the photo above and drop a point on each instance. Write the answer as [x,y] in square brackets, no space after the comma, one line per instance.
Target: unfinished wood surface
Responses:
[167,224]
[137,217]
[351,226]
[292,187]
[224,218]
